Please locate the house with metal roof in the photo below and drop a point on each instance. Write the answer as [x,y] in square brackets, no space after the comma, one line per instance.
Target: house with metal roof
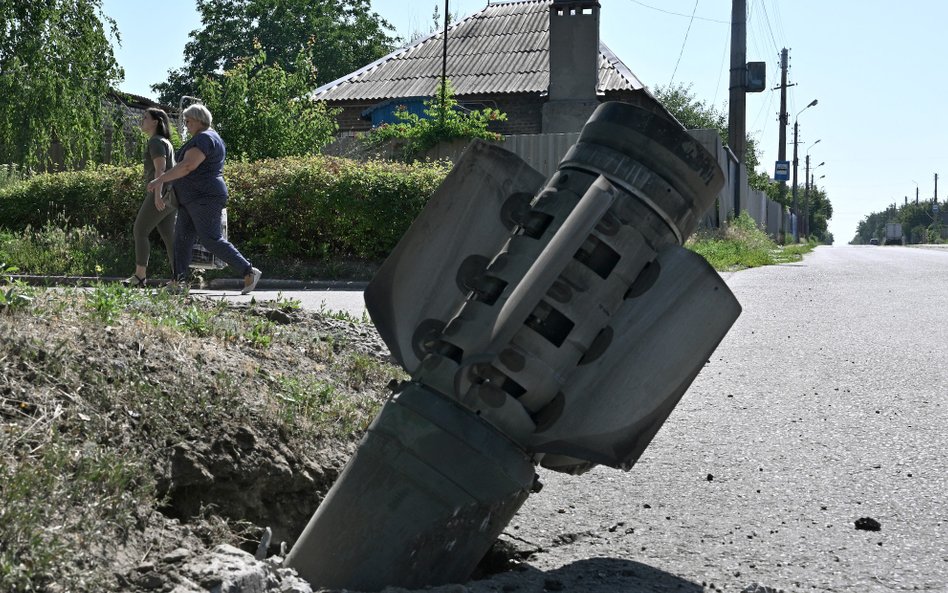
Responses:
[539,61]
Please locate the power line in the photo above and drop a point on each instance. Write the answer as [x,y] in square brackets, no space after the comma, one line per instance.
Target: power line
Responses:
[693,17]
[778,20]
[764,106]
[684,41]
[724,54]
[763,4]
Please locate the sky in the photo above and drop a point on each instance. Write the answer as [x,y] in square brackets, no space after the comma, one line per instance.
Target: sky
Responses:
[875,67]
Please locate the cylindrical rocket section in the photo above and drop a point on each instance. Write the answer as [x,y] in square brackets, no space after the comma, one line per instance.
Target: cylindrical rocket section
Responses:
[426,494]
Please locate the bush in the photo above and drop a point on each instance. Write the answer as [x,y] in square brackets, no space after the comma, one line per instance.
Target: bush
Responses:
[104,197]
[257,109]
[444,120]
[317,206]
[294,207]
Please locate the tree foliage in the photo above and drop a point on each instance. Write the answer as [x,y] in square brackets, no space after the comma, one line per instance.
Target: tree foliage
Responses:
[695,114]
[341,36]
[437,24]
[261,111]
[56,67]
[819,211]
[921,222]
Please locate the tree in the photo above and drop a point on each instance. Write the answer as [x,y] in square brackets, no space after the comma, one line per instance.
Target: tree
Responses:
[437,24]
[341,36]
[820,211]
[921,222]
[259,112]
[56,67]
[695,114]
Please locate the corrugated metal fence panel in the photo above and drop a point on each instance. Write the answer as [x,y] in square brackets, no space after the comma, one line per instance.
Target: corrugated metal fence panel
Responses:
[768,214]
[711,141]
[774,210]
[543,152]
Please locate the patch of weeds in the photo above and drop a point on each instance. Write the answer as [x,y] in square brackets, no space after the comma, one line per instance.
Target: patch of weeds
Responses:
[108,301]
[791,253]
[360,370]
[62,507]
[14,294]
[260,333]
[61,249]
[196,320]
[284,304]
[321,348]
[315,406]
[742,244]
[304,398]
[341,315]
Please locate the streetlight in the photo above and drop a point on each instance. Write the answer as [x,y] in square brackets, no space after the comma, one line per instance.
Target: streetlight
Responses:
[796,129]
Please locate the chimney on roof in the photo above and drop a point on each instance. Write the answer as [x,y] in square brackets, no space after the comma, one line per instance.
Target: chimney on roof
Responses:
[574,65]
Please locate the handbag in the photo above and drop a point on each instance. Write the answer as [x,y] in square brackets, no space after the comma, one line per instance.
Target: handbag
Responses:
[170,198]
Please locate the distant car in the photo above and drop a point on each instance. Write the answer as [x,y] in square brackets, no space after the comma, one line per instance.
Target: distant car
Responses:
[873,241]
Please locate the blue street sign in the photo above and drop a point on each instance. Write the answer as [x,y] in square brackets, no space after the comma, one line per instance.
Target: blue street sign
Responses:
[782,171]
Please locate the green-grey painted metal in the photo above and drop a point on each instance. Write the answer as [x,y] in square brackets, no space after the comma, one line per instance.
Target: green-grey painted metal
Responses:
[426,494]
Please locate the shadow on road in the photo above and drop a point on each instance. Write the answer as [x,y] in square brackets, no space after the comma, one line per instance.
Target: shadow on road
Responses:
[595,575]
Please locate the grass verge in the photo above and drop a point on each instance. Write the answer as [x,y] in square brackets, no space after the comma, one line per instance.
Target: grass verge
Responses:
[740,244]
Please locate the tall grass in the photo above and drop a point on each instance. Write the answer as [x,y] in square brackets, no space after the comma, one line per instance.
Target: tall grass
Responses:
[61,249]
[11,173]
[742,244]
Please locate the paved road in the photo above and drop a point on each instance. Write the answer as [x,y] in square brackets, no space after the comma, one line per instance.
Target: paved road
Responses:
[334,300]
[826,403]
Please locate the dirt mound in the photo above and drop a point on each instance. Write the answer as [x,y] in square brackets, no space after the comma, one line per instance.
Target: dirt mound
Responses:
[137,425]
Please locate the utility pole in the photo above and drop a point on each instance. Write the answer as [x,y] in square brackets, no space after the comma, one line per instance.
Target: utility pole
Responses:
[783,116]
[936,187]
[444,64]
[736,125]
[796,130]
[796,228]
[806,197]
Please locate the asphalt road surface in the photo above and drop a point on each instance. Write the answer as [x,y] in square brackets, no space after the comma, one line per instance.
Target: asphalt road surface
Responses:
[825,405]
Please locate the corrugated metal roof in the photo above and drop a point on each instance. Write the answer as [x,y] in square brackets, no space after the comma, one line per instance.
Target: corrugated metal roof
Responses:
[501,49]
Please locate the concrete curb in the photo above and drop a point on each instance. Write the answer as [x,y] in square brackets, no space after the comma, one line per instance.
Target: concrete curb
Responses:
[217,284]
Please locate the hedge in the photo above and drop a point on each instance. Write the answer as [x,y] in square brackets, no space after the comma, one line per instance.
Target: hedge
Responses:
[295,207]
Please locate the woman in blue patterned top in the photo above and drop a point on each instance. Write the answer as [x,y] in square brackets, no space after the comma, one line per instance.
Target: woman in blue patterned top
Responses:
[202,195]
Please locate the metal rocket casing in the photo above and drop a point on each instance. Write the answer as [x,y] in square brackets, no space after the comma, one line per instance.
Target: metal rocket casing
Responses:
[542,289]
[552,321]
